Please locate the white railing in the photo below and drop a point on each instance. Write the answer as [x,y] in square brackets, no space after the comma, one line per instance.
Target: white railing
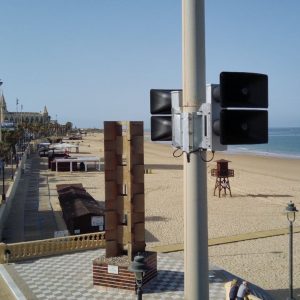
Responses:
[48,247]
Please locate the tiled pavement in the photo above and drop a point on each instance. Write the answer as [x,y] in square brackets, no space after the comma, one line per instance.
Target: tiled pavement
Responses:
[69,277]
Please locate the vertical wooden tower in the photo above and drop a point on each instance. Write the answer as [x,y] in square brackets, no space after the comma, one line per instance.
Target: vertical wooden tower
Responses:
[124,188]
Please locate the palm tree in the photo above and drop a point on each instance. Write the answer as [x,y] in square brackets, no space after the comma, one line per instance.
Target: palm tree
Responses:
[10,139]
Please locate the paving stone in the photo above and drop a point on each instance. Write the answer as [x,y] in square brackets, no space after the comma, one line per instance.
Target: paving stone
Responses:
[58,276]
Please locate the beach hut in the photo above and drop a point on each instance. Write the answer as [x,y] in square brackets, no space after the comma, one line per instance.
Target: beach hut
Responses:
[81,212]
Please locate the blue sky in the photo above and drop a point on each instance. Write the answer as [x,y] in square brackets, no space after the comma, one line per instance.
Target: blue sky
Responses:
[95,60]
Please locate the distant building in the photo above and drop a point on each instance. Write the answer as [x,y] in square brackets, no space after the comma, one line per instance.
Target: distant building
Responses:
[22,117]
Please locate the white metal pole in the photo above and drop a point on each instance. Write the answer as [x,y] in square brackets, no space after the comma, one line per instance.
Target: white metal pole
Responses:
[195,191]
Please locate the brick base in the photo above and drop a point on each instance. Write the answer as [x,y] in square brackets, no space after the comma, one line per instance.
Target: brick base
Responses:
[124,280]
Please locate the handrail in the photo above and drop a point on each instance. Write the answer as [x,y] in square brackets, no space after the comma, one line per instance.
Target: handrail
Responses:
[48,247]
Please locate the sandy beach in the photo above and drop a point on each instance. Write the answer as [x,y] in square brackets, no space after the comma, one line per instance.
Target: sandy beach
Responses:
[261,189]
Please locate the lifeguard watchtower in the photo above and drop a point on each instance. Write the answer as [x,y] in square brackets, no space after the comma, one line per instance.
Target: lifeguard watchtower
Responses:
[222,174]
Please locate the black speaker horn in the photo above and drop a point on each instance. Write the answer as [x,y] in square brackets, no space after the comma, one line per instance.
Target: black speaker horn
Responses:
[161,128]
[243,127]
[245,90]
[160,102]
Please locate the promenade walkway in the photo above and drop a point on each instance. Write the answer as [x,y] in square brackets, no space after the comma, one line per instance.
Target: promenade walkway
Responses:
[31,216]
[69,276]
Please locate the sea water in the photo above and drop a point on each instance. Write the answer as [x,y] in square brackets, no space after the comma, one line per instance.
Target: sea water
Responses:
[283,142]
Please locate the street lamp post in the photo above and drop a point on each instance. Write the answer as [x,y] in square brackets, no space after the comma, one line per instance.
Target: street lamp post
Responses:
[3,182]
[291,216]
[21,114]
[1,115]
[139,267]
[12,166]
[56,125]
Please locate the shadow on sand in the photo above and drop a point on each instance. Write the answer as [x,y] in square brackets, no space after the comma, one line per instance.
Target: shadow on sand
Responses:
[164,167]
[284,293]
[263,196]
